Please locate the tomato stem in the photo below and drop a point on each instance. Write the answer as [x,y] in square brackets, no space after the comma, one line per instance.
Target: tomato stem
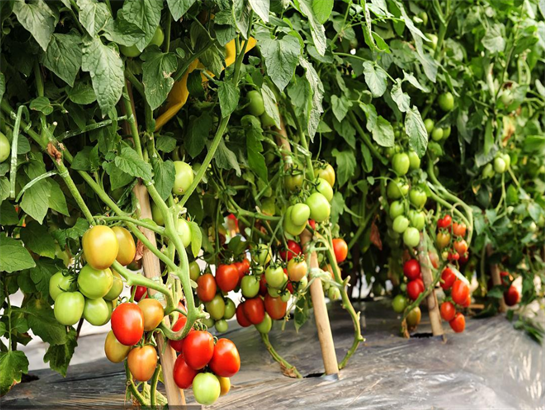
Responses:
[287,369]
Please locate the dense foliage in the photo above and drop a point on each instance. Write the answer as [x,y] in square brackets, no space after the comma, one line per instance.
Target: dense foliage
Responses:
[269,147]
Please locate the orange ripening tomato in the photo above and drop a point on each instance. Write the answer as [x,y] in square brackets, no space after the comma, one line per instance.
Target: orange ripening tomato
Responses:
[100,246]
[127,247]
[227,277]
[340,248]
[206,287]
[142,362]
[458,324]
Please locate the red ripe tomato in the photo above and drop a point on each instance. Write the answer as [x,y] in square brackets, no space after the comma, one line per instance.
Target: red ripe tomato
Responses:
[289,287]
[444,222]
[461,247]
[241,316]
[227,277]
[459,229]
[511,296]
[411,269]
[415,288]
[183,374]
[243,267]
[458,324]
[198,348]
[263,286]
[140,292]
[464,258]
[504,277]
[254,309]
[460,292]
[467,302]
[448,311]
[340,248]
[294,249]
[448,278]
[312,223]
[128,323]
[275,307]
[226,360]
[453,256]
[180,323]
[206,287]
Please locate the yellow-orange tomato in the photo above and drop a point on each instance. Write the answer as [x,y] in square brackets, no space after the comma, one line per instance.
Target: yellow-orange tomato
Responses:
[225,385]
[153,313]
[100,247]
[115,351]
[142,362]
[127,247]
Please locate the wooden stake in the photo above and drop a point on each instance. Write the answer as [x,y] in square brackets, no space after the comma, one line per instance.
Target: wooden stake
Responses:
[496,277]
[316,290]
[152,268]
[427,277]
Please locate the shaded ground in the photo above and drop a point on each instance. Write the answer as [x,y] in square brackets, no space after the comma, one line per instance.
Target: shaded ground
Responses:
[490,366]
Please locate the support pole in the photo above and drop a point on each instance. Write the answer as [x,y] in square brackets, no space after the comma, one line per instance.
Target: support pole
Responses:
[427,277]
[152,268]
[496,277]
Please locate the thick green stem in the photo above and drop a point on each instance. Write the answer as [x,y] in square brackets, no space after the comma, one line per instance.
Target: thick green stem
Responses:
[152,227]
[363,226]
[153,387]
[287,369]
[132,120]
[365,138]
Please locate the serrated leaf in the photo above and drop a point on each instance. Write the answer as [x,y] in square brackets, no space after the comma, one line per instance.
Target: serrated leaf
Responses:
[57,199]
[196,238]
[415,129]
[314,107]
[322,9]
[241,15]
[14,257]
[254,135]
[157,76]
[144,14]
[94,16]
[64,55]
[340,106]
[13,364]
[261,8]
[317,29]
[375,78]
[59,356]
[229,96]
[179,7]
[165,143]
[37,238]
[41,274]
[41,320]
[281,57]
[41,104]
[130,163]
[75,232]
[402,99]
[383,132]
[494,41]
[197,136]
[37,18]
[8,215]
[106,69]
[226,159]
[347,131]
[82,93]
[346,165]
[269,100]
[35,200]
[163,178]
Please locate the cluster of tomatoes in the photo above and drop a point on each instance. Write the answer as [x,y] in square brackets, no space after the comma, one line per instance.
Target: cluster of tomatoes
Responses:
[459,296]
[411,291]
[93,291]
[453,250]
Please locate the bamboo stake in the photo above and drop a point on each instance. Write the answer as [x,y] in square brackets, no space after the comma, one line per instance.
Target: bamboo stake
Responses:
[427,277]
[152,268]
[316,290]
[496,277]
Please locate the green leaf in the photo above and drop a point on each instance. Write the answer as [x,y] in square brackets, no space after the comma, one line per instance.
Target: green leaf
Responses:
[261,8]
[375,78]
[59,356]
[337,207]
[317,29]
[179,7]
[63,56]
[367,159]
[383,132]
[4,188]
[13,365]
[314,108]
[106,69]
[340,106]
[94,16]
[131,163]
[414,82]
[346,165]
[269,100]
[41,320]
[402,99]
[81,160]
[415,129]
[8,215]
[37,238]
[41,104]
[76,232]
[226,159]
[37,18]
[542,7]
[347,131]
[494,40]
[157,71]
[196,238]
[229,96]
[281,56]
[322,9]
[144,14]
[241,15]
[14,257]
[164,175]
[2,85]
[254,135]
[41,274]
[82,93]
[57,199]
[199,129]
[165,143]
[36,200]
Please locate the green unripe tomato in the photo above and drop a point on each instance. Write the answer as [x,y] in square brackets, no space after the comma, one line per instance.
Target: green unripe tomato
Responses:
[507,160]
[403,287]
[96,311]
[206,388]
[300,213]
[433,39]
[446,101]
[4,148]
[401,163]
[249,286]
[418,197]
[512,196]
[506,97]
[437,134]
[275,276]
[131,51]
[411,237]
[429,124]
[95,283]
[446,132]
[60,283]
[397,188]
[216,307]
[424,17]
[319,207]
[262,254]
[399,303]
[69,308]
[417,219]
[222,326]
[255,104]
[333,293]
[285,296]
[230,309]
[414,160]
[157,215]
[117,287]
[194,271]
[273,292]
[488,171]
[401,223]
[184,231]
[396,208]
[499,165]
[158,38]
[266,325]
[323,187]
[184,177]
[267,120]
[208,322]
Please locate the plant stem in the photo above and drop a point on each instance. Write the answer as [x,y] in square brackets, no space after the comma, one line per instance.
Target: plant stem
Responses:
[153,387]
[365,138]
[132,120]
[152,227]
[287,369]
